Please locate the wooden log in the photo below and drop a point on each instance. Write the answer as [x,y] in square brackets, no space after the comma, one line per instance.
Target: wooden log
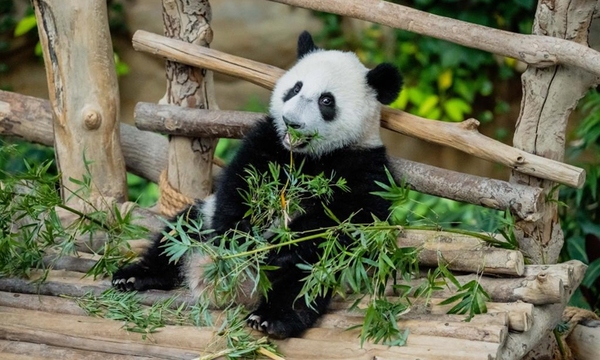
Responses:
[61,282]
[462,136]
[96,334]
[545,320]
[86,130]
[535,50]
[462,252]
[176,342]
[484,327]
[189,168]
[568,272]
[519,313]
[17,350]
[179,121]
[145,154]
[584,340]
[549,97]
[516,315]
[538,290]
[428,325]
[30,118]
[523,201]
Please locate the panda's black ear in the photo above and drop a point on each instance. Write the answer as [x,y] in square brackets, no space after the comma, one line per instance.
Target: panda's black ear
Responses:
[387,82]
[305,44]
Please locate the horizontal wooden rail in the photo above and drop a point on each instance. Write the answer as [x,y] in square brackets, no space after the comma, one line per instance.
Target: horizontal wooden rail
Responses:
[524,201]
[462,136]
[145,152]
[535,50]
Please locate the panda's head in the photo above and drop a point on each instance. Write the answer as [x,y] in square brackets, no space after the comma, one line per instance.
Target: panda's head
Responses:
[330,100]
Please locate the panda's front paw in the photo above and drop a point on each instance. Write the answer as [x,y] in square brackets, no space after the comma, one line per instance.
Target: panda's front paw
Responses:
[123,284]
[126,278]
[281,323]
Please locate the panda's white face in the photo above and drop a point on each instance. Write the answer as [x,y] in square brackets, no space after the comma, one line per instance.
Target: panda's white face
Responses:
[325,98]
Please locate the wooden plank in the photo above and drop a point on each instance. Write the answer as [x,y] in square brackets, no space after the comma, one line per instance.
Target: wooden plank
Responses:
[17,350]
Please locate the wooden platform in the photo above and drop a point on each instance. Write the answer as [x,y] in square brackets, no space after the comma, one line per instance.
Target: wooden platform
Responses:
[38,323]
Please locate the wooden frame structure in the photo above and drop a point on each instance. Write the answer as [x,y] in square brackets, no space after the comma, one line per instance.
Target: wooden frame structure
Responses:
[81,123]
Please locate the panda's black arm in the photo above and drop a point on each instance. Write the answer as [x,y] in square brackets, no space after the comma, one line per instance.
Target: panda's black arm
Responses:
[259,148]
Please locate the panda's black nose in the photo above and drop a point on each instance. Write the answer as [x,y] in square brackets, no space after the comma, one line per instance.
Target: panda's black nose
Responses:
[292,124]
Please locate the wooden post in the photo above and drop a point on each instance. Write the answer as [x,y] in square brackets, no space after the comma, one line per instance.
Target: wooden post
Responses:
[80,68]
[189,169]
[549,96]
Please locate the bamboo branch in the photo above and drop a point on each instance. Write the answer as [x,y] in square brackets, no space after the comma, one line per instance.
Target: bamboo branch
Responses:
[538,51]
[523,201]
[462,136]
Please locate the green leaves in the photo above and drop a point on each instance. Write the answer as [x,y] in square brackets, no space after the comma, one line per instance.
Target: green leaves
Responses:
[471,297]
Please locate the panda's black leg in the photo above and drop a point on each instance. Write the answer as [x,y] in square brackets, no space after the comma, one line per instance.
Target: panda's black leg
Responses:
[152,271]
[281,315]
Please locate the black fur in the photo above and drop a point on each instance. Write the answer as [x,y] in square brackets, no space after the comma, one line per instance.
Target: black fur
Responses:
[305,44]
[282,314]
[387,81]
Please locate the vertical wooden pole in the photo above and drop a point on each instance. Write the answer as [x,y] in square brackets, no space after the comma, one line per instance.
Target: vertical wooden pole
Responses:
[80,68]
[549,96]
[190,160]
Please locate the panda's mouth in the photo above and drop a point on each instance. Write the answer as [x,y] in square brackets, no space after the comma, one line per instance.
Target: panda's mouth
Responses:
[295,141]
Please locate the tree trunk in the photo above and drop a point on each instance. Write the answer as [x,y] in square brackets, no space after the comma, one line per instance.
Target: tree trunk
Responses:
[82,83]
[549,96]
[190,160]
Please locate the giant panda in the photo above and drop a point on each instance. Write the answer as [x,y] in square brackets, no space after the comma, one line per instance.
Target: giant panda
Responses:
[329,93]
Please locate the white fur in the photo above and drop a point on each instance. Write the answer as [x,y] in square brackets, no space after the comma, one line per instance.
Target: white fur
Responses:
[357,110]
[208,211]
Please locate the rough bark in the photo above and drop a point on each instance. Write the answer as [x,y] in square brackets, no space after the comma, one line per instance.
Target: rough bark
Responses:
[86,130]
[549,96]
[462,136]
[190,160]
[534,50]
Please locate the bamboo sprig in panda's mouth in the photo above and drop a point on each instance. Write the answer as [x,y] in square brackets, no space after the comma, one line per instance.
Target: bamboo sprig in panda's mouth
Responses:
[295,139]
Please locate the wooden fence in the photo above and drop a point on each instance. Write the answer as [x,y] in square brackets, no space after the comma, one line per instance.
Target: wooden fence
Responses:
[81,116]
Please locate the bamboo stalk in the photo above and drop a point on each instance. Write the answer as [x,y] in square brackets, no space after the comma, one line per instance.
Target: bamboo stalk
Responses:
[462,136]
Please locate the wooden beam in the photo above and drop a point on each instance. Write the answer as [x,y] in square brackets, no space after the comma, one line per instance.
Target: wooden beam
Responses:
[462,252]
[462,136]
[30,118]
[84,95]
[523,201]
[189,167]
[538,51]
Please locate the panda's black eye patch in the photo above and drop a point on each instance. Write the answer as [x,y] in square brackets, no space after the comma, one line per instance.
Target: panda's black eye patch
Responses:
[293,91]
[327,106]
